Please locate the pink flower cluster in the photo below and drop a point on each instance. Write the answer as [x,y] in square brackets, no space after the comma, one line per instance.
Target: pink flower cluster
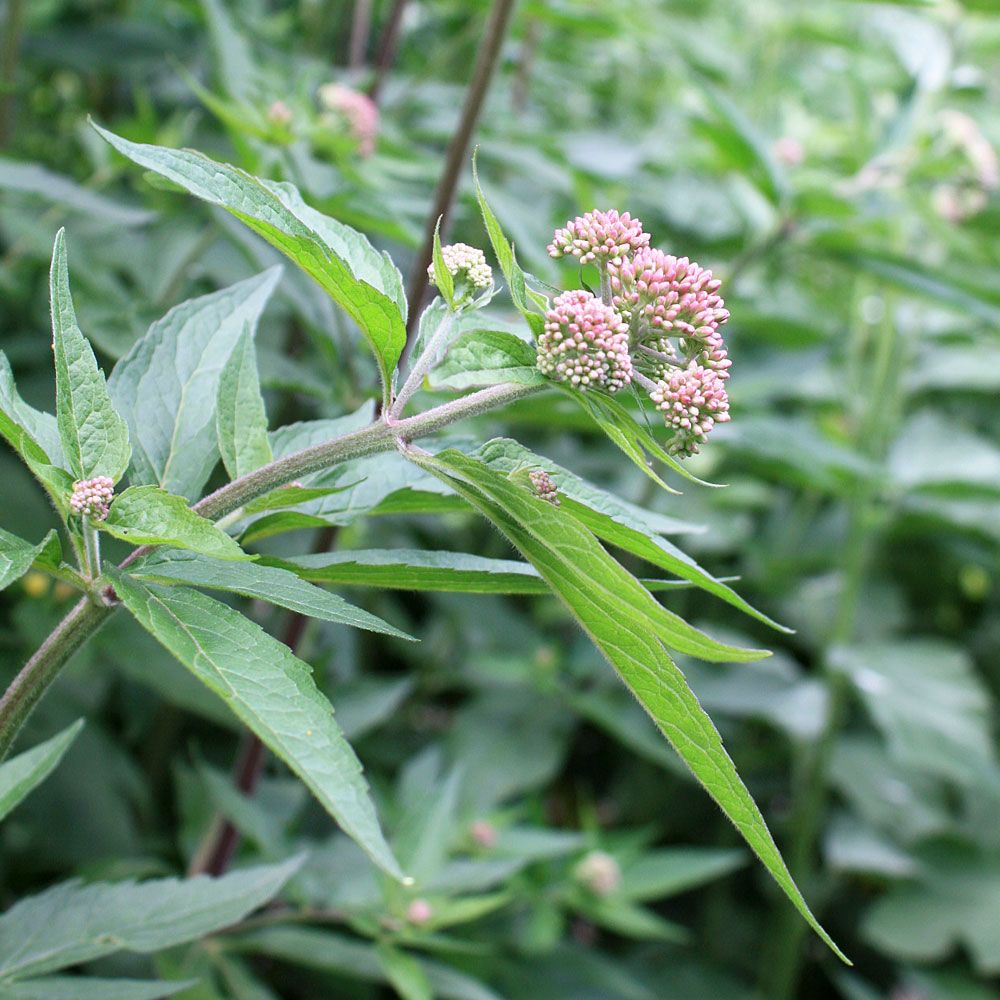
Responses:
[545,489]
[585,343]
[605,235]
[693,400]
[673,297]
[91,497]
[358,111]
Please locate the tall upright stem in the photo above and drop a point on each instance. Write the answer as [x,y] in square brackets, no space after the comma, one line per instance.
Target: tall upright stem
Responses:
[87,616]
[10,45]
[360,31]
[458,150]
[388,41]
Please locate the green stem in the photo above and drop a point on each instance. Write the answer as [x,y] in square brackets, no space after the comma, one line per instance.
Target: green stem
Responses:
[382,435]
[91,550]
[423,364]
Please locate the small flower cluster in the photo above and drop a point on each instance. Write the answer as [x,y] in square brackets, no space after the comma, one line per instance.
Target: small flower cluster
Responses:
[600,873]
[658,326]
[693,400]
[466,265]
[605,235]
[92,497]
[585,343]
[355,110]
[544,488]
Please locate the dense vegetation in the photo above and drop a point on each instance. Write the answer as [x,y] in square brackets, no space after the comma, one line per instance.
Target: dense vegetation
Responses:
[522,828]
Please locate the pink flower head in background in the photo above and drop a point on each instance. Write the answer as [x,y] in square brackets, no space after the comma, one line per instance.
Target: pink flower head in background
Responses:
[91,497]
[357,111]
[692,400]
[599,236]
[585,343]
[280,114]
[600,873]
[788,150]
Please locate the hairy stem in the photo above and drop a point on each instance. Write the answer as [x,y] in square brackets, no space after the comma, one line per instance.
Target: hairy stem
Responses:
[86,617]
[423,364]
[91,550]
[458,149]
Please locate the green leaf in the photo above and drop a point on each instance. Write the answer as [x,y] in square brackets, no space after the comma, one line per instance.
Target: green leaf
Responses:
[288,496]
[525,300]
[94,436]
[265,583]
[927,699]
[73,923]
[147,515]
[405,973]
[345,956]
[167,385]
[240,419]
[417,569]
[954,900]
[615,612]
[87,988]
[618,522]
[442,276]
[17,555]
[26,430]
[22,773]
[362,281]
[667,872]
[91,988]
[487,357]
[271,691]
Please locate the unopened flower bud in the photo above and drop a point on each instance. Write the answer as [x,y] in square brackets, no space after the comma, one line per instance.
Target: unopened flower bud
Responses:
[419,912]
[92,497]
[585,343]
[545,489]
[599,872]
[279,113]
[483,833]
[465,264]
[599,236]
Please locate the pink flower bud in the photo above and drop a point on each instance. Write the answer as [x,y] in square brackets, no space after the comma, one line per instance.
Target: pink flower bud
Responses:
[599,236]
[279,113]
[599,872]
[483,833]
[419,912]
[585,343]
[92,497]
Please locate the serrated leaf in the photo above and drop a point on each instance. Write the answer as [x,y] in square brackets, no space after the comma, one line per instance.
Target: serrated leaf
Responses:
[94,436]
[147,515]
[168,382]
[26,429]
[362,281]
[17,555]
[240,419]
[487,357]
[271,691]
[608,604]
[89,988]
[73,923]
[265,583]
[20,774]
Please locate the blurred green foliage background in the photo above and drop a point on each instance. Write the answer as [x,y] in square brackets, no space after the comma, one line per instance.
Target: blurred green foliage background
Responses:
[834,163]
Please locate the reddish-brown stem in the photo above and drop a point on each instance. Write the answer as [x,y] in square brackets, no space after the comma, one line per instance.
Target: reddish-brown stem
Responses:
[388,41]
[458,150]
[361,28]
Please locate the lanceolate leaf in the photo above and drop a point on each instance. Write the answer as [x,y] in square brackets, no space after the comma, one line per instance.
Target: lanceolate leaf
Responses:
[73,922]
[94,436]
[604,599]
[91,988]
[271,691]
[168,383]
[364,282]
[265,583]
[487,357]
[147,515]
[22,773]
[240,420]
[25,428]
[17,555]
